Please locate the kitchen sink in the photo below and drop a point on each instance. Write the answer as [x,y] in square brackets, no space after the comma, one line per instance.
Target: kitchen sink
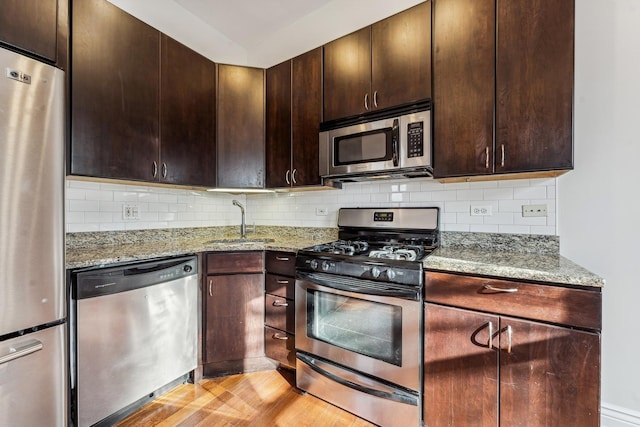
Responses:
[239,241]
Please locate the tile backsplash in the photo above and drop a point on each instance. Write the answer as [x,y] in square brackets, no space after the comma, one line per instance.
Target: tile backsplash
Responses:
[93,206]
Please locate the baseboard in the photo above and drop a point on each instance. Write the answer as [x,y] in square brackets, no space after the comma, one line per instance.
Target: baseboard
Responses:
[616,416]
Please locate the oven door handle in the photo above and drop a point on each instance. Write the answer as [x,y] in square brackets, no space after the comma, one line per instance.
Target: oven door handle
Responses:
[396,396]
[362,286]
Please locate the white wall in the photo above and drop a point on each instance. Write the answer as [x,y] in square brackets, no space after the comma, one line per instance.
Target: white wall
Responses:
[599,202]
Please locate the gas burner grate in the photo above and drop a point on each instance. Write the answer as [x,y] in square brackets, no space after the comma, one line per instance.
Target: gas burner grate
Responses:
[400,252]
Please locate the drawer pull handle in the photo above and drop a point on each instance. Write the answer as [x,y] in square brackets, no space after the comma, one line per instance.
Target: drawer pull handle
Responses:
[280,304]
[282,258]
[278,336]
[490,335]
[506,290]
[283,282]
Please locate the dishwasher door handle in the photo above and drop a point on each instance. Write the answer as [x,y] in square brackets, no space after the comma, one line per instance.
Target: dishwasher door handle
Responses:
[151,268]
[21,350]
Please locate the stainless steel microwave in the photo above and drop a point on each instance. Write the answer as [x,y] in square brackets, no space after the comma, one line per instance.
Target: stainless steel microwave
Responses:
[398,146]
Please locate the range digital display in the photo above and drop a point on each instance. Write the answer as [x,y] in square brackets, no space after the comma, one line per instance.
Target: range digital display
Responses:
[383,216]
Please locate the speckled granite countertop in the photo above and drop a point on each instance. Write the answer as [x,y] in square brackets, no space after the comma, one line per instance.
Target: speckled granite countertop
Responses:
[524,257]
[100,249]
[536,258]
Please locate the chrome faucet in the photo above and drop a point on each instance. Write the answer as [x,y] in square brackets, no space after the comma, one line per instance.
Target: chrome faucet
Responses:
[243,225]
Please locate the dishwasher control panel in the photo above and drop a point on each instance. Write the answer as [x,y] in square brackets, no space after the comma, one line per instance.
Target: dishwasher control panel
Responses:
[104,281]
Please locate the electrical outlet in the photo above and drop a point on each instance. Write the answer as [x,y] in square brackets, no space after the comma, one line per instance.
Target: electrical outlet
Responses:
[321,211]
[481,210]
[130,212]
[534,210]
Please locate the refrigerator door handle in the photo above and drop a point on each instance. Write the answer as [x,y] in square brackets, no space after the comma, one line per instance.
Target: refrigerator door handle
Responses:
[21,350]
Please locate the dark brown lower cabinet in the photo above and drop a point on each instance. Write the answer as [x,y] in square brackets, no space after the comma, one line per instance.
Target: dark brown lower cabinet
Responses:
[234,314]
[279,305]
[490,370]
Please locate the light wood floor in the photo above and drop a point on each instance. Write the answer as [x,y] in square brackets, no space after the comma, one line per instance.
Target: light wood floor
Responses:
[261,399]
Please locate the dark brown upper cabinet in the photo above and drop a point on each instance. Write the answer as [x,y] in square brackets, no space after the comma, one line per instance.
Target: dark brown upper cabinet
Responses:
[187,116]
[142,104]
[534,76]
[502,87]
[380,66]
[115,89]
[293,116]
[39,27]
[240,127]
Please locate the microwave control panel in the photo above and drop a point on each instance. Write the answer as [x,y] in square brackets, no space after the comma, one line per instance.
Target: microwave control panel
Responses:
[415,139]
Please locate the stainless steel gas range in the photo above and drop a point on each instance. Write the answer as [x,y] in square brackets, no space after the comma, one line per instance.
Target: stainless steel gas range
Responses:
[359,316]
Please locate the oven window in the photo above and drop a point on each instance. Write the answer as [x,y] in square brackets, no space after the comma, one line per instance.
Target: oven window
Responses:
[365,327]
[364,147]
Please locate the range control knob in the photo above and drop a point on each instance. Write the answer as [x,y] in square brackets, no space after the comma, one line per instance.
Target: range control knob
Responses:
[187,268]
[313,264]
[375,272]
[326,266]
[391,274]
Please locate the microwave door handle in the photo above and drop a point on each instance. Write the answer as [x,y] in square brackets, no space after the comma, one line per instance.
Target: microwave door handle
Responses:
[395,137]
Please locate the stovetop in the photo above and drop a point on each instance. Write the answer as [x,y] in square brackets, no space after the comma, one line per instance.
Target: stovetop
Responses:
[414,250]
[386,244]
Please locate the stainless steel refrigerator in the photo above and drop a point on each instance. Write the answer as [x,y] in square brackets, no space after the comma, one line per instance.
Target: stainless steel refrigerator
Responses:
[33,350]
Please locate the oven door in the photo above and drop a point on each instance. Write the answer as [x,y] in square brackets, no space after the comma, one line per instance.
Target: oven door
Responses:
[356,324]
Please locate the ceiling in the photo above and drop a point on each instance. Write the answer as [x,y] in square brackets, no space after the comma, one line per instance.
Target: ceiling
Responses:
[259,33]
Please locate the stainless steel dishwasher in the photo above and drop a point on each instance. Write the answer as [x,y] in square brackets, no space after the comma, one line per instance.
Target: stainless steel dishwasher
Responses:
[134,334]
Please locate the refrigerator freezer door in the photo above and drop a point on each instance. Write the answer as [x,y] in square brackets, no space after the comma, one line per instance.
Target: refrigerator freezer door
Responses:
[31,193]
[32,377]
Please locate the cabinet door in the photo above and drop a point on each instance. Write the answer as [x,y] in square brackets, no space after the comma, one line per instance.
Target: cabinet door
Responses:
[278,126]
[549,375]
[401,57]
[31,25]
[234,317]
[463,87]
[187,115]
[347,75]
[306,116]
[461,371]
[240,137]
[534,78]
[114,93]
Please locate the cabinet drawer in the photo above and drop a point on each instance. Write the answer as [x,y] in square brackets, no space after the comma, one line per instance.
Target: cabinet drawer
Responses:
[548,303]
[279,313]
[281,263]
[234,262]
[280,346]
[282,286]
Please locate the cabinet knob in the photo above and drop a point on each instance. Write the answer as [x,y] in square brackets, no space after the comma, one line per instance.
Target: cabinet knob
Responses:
[502,157]
[286,177]
[509,338]
[154,169]
[366,101]
[164,170]
[293,176]
[210,287]
[486,155]
[375,99]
